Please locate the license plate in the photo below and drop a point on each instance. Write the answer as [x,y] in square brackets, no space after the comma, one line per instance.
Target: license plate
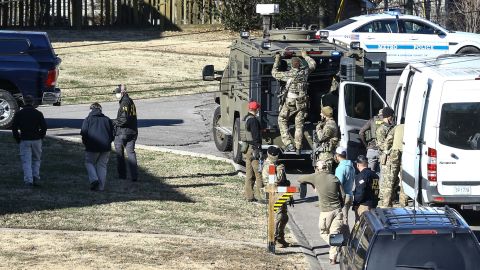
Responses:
[462,190]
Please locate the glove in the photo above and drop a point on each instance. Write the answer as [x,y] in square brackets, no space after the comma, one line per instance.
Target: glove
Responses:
[304,54]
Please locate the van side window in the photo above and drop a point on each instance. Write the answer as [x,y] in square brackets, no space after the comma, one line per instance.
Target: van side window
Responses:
[357,101]
[460,125]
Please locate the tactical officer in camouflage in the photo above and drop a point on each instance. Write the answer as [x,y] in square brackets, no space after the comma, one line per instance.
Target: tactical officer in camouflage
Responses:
[368,137]
[395,137]
[296,98]
[384,147]
[281,219]
[326,139]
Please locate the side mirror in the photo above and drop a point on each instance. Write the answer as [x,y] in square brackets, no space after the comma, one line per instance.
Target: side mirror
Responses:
[336,240]
[208,73]
[439,32]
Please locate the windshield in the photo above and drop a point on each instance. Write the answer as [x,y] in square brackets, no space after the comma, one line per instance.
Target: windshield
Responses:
[414,251]
[340,24]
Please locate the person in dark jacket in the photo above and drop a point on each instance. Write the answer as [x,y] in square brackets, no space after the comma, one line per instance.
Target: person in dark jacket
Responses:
[252,157]
[365,195]
[126,133]
[97,136]
[33,128]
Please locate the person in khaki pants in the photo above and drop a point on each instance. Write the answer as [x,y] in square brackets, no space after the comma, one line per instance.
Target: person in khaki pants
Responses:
[330,198]
[365,194]
[253,177]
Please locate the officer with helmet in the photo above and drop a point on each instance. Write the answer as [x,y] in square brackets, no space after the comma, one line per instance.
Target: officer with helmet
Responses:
[252,156]
[296,101]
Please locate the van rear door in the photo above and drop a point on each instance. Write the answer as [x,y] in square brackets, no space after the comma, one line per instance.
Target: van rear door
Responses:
[358,102]
[458,139]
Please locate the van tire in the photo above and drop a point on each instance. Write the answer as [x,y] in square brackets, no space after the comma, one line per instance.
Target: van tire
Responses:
[8,109]
[237,154]
[468,50]
[222,142]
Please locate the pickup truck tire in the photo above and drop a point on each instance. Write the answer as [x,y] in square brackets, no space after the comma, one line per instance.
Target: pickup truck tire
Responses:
[237,154]
[468,50]
[222,142]
[8,109]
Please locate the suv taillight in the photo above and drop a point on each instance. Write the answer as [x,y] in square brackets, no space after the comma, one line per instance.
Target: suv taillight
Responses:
[52,78]
[432,165]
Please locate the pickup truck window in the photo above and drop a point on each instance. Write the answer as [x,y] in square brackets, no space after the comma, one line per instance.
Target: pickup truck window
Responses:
[13,46]
[459,125]
[434,251]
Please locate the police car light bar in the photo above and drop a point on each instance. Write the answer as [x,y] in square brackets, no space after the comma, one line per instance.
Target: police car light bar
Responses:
[244,34]
[268,9]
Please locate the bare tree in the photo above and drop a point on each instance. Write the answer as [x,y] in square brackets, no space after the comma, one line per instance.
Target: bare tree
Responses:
[467,15]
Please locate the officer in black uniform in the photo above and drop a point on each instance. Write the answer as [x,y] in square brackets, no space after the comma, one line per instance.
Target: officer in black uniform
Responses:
[126,133]
[365,194]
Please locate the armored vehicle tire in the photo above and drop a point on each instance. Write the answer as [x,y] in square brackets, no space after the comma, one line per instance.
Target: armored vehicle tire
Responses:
[8,108]
[237,154]
[222,142]
[468,50]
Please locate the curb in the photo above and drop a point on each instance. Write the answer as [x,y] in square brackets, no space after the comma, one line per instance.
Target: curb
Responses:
[303,244]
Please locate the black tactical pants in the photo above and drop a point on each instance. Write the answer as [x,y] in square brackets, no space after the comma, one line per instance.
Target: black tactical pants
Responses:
[122,143]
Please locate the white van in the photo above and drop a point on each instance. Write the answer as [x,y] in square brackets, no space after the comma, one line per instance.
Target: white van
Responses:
[438,101]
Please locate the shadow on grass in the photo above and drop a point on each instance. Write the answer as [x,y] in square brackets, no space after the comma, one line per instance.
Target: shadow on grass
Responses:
[77,123]
[64,181]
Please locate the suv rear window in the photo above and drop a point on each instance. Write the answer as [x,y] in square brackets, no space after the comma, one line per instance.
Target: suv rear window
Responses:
[13,46]
[414,251]
[340,24]
[460,125]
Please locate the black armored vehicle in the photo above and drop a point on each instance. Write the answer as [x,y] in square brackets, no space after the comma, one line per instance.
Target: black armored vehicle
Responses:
[248,76]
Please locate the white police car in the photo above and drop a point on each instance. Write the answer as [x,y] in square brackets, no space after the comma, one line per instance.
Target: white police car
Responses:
[405,38]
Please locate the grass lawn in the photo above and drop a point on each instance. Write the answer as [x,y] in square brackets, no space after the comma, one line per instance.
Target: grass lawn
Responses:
[198,202]
[150,63]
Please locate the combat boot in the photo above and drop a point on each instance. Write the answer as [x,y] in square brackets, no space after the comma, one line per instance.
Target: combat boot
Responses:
[282,242]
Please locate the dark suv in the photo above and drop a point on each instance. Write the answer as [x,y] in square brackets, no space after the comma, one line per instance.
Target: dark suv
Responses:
[405,238]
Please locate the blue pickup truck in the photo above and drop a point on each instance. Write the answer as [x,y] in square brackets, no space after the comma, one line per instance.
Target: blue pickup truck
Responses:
[28,66]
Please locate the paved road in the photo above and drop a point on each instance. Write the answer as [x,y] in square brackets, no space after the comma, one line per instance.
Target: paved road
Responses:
[184,123]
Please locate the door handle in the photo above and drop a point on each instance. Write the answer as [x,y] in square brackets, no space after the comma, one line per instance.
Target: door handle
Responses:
[414,39]
[370,38]
[454,156]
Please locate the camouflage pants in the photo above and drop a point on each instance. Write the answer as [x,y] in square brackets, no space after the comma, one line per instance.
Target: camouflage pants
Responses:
[281,220]
[290,108]
[390,180]
[396,168]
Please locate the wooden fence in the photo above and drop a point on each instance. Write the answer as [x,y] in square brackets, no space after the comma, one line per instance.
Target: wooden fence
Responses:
[91,13]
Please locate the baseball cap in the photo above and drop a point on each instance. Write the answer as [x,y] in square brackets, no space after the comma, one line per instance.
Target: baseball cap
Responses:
[327,111]
[253,105]
[387,112]
[274,151]
[341,151]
